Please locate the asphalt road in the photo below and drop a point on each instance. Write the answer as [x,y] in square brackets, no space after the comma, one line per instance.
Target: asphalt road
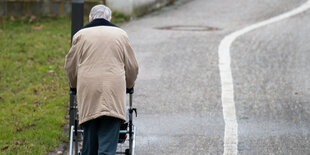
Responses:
[178,92]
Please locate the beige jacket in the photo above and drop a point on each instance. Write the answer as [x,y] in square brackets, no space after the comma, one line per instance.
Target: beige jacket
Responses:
[101,65]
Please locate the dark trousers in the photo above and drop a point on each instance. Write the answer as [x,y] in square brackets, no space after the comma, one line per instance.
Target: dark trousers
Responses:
[101,136]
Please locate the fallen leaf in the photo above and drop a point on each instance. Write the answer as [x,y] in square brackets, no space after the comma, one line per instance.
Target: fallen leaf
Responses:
[32,18]
[19,129]
[4,147]
[36,102]
[18,142]
[37,27]
[12,18]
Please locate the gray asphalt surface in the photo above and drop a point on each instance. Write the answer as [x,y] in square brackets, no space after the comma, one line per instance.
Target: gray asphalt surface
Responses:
[271,72]
[178,92]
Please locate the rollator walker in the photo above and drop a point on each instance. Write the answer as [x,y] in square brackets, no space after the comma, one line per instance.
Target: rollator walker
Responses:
[126,141]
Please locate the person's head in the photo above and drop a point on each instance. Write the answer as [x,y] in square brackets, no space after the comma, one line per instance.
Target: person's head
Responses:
[100,11]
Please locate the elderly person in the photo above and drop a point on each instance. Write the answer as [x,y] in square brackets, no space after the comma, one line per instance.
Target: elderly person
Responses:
[101,65]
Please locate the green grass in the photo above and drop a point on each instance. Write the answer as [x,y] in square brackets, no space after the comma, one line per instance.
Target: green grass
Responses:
[33,84]
[119,17]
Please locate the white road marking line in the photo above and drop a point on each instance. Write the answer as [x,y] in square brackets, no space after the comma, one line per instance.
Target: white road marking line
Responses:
[228,104]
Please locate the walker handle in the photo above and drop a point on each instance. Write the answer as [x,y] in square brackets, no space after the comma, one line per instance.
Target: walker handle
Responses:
[130,90]
[72,91]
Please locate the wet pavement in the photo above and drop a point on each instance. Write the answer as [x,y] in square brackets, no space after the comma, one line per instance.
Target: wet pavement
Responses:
[178,92]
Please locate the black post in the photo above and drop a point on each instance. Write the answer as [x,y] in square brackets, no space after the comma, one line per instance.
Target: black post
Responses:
[77,19]
[77,16]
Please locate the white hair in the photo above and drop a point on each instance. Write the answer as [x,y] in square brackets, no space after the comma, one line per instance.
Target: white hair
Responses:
[100,11]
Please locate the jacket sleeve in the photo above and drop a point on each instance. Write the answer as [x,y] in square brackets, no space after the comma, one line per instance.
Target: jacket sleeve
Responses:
[71,64]
[131,65]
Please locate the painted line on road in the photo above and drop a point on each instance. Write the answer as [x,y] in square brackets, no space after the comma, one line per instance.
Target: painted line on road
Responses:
[228,103]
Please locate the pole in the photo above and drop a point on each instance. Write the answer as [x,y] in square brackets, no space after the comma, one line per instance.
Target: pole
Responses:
[77,16]
[77,19]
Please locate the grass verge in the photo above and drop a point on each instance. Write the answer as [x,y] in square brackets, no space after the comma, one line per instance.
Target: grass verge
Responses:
[33,84]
